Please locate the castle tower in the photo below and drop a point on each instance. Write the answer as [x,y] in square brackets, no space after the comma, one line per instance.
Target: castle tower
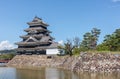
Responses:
[37,40]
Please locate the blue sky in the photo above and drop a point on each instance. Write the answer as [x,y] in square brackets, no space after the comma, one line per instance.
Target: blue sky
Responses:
[67,18]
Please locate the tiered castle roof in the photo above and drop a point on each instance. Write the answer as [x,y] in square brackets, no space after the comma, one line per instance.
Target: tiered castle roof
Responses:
[37,38]
[37,21]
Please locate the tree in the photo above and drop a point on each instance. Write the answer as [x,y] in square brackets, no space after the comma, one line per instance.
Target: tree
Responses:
[90,39]
[67,47]
[94,38]
[113,41]
[76,42]
[70,46]
[85,44]
[102,47]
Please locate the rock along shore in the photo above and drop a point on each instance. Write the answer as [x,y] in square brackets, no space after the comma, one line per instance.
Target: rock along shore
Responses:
[85,62]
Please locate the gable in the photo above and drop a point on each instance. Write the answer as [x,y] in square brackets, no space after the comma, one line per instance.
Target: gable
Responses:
[31,39]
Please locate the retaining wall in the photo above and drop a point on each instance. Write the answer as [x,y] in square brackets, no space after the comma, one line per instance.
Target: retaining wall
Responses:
[85,62]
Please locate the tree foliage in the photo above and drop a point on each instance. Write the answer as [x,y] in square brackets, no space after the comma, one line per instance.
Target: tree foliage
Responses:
[70,45]
[111,42]
[90,39]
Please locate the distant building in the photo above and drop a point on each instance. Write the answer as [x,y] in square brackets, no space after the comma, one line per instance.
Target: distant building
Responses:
[37,40]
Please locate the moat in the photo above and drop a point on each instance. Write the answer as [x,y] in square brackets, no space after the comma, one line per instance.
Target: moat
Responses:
[51,73]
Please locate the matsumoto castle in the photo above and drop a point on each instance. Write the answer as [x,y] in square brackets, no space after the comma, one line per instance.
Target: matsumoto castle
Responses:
[37,40]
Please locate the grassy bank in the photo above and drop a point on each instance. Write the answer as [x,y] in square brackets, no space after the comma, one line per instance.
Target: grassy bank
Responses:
[105,52]
[6,56]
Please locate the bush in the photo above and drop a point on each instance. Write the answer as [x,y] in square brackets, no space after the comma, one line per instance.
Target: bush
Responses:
[76,51]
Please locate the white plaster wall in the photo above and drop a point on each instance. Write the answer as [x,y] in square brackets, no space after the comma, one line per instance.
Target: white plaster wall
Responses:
[52,51]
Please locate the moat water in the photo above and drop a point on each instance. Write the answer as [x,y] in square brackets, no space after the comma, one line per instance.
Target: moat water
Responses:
[51,73]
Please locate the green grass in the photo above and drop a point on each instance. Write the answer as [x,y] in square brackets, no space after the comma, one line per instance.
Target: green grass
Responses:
[105,52]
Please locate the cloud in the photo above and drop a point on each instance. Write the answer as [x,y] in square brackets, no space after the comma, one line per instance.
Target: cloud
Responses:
[6,45]
[116,0]
[61,42]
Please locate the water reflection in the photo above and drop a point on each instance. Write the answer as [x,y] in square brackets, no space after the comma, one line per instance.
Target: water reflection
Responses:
[7,73]
[30,74]
[45,73]
[2,64]
[51,73]
[87,75]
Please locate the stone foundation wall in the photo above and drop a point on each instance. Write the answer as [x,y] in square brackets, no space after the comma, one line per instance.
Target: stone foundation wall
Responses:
[85,62]
[98,63]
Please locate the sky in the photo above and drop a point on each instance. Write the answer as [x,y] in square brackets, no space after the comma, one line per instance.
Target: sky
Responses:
[66,18]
